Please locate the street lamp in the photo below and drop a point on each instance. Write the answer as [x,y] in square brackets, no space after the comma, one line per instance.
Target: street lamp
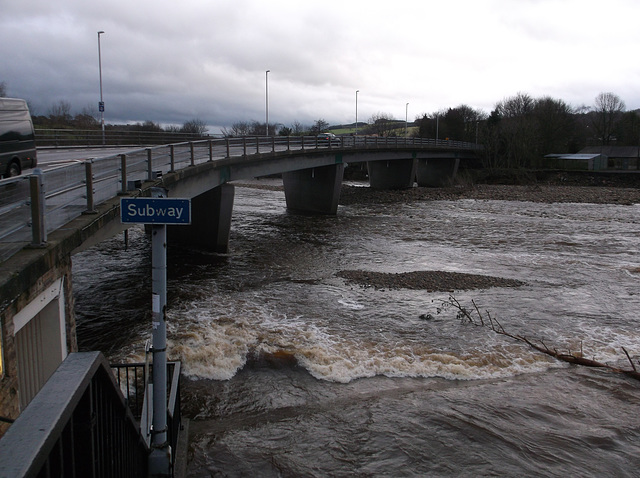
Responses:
[406,120]
[101,104]
[266,80]
[357,112]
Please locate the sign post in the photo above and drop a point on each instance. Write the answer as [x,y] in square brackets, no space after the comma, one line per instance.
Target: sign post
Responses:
[158,211]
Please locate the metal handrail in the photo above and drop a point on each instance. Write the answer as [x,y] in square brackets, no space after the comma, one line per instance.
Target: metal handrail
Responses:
[77,425]
[61,138]
[133,380]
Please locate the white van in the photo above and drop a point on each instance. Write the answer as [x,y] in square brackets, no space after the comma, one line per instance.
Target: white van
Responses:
[17,141]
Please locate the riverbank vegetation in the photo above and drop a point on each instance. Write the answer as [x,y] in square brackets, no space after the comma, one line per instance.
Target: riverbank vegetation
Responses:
[521,129]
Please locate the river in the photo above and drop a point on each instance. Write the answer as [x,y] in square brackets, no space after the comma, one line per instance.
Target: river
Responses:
[291,371]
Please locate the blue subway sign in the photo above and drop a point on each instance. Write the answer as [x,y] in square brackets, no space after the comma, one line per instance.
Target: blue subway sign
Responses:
[155,210]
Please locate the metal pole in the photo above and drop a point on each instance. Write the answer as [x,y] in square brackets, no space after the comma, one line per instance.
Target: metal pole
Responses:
[88,168]
[149,165]
[357,112]
[101,105]
[406,120]
[159,459]
[38,227]
[267,99]
[123,173]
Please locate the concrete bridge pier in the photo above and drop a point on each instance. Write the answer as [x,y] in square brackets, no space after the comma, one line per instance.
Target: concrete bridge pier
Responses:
[437,172]
[397,174]
[210,220]
[314,190]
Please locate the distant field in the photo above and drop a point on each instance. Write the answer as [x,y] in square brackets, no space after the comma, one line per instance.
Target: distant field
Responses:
[343,130]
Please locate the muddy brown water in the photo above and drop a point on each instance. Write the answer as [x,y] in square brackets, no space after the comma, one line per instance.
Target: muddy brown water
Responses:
[291,370]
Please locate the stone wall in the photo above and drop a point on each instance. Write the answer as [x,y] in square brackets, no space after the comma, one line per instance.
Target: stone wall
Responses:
[9,398]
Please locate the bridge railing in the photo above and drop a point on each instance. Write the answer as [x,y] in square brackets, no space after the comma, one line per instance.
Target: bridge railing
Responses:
[77,425]
[64,138]
[80,425]
[133,380]
[33,206]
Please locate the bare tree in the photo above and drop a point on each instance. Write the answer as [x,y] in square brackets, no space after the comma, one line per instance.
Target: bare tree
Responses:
[517,130]
[459,123]
[60,111]
[239,128]
[555,124]
[607,113]
[285,131]
[516,106]
[194,126]
[245,128]
[628,129]
[257,129]
[383,124]
[297,128]
[88,118]
[149,125]
[319,126]
[3,89]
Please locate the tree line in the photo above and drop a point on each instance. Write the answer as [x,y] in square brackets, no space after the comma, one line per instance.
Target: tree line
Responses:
[518,132]
[521,129]
[60,116]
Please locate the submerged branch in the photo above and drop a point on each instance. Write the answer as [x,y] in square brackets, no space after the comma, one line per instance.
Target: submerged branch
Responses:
[495,326]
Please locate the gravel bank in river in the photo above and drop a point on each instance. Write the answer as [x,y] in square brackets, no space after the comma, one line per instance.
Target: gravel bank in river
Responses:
[431,281]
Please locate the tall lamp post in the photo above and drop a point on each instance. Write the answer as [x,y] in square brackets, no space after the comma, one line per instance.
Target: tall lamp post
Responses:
[266,80]
[406,120]
[357,112]
[101,104]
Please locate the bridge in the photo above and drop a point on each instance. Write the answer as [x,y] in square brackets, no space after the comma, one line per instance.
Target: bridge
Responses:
[31,208]
[48,216]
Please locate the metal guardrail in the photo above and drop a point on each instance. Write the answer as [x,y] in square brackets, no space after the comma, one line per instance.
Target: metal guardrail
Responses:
[77,425]
[33,206]
[64,138]
[133,379]
[80,425]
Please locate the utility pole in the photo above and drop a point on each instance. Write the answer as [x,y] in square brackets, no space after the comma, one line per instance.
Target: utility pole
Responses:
[357,91]
[406,120]
[101,104]
[266,75]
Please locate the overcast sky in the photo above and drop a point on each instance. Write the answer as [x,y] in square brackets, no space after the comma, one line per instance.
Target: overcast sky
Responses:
[172,61]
